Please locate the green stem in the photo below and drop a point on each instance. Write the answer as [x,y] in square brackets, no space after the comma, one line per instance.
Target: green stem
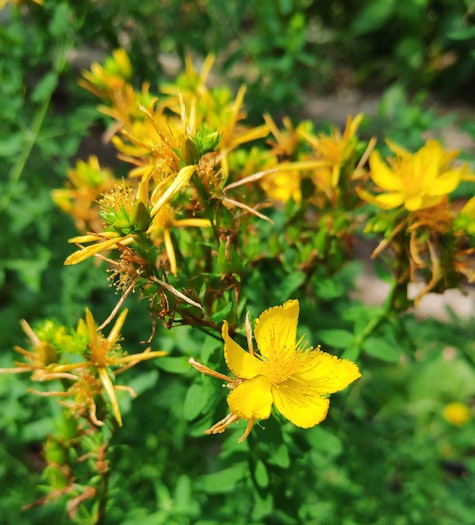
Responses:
[18,169]
[386,310]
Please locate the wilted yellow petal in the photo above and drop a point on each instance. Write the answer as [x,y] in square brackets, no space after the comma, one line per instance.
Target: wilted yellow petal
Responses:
[251,399]
[303,408]
[109,388]
[276,329]
[241,363]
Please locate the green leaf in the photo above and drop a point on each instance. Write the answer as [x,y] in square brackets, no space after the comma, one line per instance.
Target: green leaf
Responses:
[223,481]
[290,284]
[443,379]
[12,144]
[374,16]
[324,441]
[141,383]
[337,338]
[144,381]
[279,456]
[328,289]
[182,493]
[45,87]
[175,365]
[220,316]
[263,506]
[261,475]
[352,353]
[195,400]
[464,33]
[36,430]
[61,22]
[31,271]
[382,349]
[285,6]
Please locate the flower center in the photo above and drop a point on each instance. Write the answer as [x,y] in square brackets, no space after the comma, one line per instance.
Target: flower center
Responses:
[284,364]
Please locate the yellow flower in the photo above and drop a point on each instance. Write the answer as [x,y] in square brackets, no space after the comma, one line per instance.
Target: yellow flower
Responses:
[284,374]
[417,181]
[86,182]
[121,210]
[115,72]
[456,413]
[282,185]
[334,150]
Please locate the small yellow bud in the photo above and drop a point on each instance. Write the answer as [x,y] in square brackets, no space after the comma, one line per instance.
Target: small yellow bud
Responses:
[456,413]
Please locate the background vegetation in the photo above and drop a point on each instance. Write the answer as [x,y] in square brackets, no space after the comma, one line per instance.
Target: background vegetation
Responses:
[396,460]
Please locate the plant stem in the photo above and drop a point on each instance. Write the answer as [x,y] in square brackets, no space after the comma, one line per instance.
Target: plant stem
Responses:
[33,134]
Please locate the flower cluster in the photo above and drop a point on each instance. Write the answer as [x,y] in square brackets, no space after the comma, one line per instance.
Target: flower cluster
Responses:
[188,223]
[430,236]
[182,225]
[83,361]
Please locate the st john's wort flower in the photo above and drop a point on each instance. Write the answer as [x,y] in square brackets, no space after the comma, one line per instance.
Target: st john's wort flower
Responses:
[414,180]
[284,373]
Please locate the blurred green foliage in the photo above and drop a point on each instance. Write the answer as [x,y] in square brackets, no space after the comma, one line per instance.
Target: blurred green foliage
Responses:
[385,455]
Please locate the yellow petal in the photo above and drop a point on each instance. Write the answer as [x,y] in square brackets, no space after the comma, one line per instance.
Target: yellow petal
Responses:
[445,183]
[382,175]
[398,150]
[299,406]
[91,327]
[385,201]
[426,164]
[241,363]
[109,388]
[198,223]
[420,202]
[351,127]
[469,208]
[252,399]
[388,201]
[90,237]
[170,250]
[114,334]
[326,373]
[83,254]
[181,180]
[276,329]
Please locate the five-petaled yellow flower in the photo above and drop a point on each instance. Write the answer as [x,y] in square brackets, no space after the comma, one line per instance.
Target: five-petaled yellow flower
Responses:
[284,374]
[416,180]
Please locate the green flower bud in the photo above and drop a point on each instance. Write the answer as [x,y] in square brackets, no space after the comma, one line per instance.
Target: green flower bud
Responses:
[140,217]
[190,153]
